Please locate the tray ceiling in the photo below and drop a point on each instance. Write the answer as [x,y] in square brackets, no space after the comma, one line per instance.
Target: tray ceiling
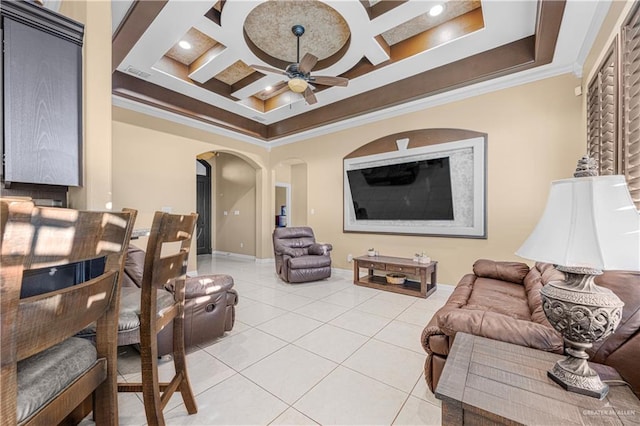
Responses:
[392,52]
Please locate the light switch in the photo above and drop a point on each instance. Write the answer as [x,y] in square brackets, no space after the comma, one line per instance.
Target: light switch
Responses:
[236,212]
[225,213]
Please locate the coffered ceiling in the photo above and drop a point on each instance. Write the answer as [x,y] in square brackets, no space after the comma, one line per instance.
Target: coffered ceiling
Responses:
[192,61]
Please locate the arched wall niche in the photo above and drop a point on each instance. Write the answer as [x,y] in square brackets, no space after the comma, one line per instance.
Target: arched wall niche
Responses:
[417,138]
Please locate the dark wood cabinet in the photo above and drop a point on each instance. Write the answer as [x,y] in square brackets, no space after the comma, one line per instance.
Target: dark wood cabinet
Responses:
[42,96]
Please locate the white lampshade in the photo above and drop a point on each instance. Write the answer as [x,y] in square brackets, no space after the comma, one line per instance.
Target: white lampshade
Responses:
[589,222]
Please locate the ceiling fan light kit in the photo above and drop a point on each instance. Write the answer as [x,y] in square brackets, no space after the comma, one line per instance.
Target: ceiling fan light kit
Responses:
[297,85]
[299,73]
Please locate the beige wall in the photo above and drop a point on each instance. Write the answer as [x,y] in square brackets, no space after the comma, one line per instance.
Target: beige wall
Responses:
[95,194]
[534,136]
[299,206]
[235,183]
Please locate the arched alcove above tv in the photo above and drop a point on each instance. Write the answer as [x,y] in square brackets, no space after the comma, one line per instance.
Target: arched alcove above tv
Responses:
[420,182]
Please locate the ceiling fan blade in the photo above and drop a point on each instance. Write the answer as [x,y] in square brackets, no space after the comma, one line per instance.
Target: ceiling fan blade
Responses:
[309,96]
[307,63]
[330,81]
[267,69]
[278,86]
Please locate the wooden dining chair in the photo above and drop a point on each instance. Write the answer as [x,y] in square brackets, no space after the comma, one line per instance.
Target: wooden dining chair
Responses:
[47,373]
[165,268]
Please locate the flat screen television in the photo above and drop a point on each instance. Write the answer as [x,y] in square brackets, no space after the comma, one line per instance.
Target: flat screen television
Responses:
[413,190]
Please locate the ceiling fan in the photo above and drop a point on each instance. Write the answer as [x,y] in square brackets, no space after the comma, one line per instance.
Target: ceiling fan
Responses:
[299,73]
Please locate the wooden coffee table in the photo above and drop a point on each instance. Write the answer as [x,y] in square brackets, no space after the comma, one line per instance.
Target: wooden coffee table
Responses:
[417,273]
[490,382]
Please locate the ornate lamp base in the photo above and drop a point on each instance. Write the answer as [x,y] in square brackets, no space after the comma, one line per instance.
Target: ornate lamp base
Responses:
[583,313]
[575,375]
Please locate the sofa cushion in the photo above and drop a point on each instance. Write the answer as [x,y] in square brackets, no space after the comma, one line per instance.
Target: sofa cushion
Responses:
[495,326]
[502,297]
[506,271]
[626,285]
[133,267]
[537,277]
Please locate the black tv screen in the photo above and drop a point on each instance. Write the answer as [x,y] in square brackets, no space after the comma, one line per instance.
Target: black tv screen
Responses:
[416,190]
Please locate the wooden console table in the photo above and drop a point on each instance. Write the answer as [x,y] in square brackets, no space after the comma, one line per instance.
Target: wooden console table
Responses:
[490,382]
[388,264]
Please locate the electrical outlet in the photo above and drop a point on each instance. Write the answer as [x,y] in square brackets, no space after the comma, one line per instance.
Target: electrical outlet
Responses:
[236,212]
[225,213]
[241,245]
[349,258]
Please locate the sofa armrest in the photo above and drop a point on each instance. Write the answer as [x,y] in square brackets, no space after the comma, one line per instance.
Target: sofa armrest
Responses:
[429,332]
[500,327]
[321,249]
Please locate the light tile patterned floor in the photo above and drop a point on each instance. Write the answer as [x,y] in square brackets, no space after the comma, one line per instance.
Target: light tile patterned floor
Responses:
[327,352]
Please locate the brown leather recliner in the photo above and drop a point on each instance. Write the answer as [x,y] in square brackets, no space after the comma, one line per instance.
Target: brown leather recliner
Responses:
[501,301]
[298,257]
[209,308]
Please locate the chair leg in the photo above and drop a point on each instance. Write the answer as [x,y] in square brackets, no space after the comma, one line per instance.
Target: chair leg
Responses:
[180,363]
[150,382]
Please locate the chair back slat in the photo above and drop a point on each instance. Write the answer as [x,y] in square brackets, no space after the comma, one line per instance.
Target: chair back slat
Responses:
[89,301]
[166,229]
[169,268]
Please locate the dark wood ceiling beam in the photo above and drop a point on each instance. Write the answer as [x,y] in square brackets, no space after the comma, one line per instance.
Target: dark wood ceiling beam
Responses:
[241,84]
[381,7]
[148,93]
[550,14]
[141,14]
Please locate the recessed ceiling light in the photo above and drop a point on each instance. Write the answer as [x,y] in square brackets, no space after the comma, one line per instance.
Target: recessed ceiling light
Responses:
[184,44]
[268,89]
[436,10]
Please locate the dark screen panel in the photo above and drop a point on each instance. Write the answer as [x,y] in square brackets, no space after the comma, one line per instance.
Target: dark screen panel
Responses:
[416,190]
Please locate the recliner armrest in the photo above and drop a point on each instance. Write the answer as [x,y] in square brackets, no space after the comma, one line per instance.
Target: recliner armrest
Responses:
[320,249]
[204,285]
[500,327]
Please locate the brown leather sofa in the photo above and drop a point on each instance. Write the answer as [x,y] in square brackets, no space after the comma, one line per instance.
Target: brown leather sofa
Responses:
[298,257]
[209,306]
[501,301]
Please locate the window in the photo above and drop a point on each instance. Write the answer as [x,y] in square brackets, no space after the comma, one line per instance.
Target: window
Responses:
[630,155]
[613,108]
[602,115]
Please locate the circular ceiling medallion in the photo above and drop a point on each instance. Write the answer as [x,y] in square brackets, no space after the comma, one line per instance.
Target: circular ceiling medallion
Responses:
[268,28]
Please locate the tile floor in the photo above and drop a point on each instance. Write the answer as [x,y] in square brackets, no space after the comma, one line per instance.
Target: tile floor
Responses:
[327,352]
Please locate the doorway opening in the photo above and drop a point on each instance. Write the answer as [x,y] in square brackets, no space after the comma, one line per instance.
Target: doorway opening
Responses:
[203,207]
[283,210]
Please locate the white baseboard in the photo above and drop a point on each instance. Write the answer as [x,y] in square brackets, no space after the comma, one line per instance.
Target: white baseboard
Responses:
[217,253]
[343,273]
[266,260]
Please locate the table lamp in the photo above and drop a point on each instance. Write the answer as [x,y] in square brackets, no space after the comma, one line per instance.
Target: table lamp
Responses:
[590,224]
